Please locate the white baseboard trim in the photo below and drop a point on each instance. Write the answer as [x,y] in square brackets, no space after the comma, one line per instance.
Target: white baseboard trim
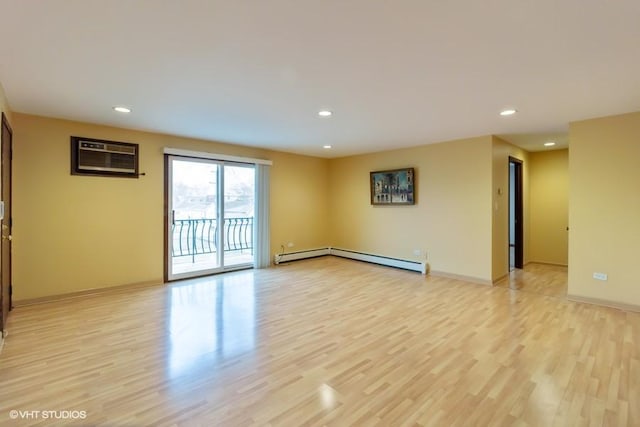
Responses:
[461,277]
[420,267]
[294,256]
[606,303]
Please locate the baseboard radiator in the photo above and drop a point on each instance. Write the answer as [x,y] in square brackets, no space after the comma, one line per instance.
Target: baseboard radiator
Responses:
[420,267]
[294,256]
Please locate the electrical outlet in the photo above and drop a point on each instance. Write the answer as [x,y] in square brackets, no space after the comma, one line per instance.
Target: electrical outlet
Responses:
[290,245]
[600,276]
[417,252]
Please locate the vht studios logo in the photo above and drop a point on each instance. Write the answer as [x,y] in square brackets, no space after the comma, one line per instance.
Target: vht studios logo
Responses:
[47,415]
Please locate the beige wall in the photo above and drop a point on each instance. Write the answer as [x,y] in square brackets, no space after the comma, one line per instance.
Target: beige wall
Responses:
[604,208]
[549,201]
[451,219]
[502,150]
[299,202]
[73,233]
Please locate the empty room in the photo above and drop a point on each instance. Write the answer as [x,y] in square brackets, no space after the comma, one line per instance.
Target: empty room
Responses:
[284,213]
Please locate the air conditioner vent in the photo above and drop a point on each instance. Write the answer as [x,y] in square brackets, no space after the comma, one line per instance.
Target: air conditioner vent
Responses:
[105,158]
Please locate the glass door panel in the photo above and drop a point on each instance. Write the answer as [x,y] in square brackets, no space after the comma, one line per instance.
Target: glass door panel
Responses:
[193,217]
[239,189]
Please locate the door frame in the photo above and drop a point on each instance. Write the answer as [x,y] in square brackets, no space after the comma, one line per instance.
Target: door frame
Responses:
[168,217]
[518,214]
[6,289]
[169,275]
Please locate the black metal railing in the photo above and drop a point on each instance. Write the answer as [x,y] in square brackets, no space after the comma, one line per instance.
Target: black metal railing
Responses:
[193,237]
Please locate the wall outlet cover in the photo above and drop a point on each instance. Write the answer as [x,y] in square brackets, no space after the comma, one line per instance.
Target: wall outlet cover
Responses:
[600,276]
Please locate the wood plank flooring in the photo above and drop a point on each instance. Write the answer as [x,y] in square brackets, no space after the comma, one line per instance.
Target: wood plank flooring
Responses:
[541,279]
[322,342]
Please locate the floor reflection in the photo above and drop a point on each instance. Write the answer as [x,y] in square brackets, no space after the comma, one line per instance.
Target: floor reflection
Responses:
[210,318]
[542,279]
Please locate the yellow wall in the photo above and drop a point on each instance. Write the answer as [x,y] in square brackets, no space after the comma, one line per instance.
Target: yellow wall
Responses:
[73,233]
[299,202]
[502,150]
[604,208]
[549,201]
[451,219]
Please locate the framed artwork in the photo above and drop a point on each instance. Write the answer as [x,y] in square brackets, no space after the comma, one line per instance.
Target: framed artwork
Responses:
[392,187]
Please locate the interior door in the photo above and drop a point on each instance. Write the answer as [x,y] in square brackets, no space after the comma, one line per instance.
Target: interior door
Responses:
[5,224]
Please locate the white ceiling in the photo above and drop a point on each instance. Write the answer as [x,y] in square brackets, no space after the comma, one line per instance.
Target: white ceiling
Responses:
[395,73]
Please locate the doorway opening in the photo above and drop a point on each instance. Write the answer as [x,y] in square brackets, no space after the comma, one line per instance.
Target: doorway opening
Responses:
[516,221]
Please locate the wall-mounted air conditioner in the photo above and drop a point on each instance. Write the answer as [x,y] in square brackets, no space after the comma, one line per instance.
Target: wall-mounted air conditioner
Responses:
[105,158]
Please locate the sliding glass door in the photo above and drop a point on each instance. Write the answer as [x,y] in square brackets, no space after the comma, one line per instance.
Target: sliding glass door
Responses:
[211,216]
[239,190]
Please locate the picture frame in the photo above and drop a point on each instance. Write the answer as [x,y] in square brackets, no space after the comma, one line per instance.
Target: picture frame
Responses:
[392,187]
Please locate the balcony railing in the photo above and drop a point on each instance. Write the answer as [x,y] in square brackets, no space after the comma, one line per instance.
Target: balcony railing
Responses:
[193,237]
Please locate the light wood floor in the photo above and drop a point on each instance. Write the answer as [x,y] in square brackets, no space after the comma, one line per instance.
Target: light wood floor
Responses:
[541,279]
[323,342]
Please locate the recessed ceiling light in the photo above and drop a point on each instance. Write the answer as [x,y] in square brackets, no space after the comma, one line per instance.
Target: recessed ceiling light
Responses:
[508,112]
[324,113]
[121,109]
[326,147]
[549,144]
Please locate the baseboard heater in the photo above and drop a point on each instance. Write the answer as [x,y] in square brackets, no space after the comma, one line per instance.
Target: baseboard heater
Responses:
[420,267]
[294,256]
